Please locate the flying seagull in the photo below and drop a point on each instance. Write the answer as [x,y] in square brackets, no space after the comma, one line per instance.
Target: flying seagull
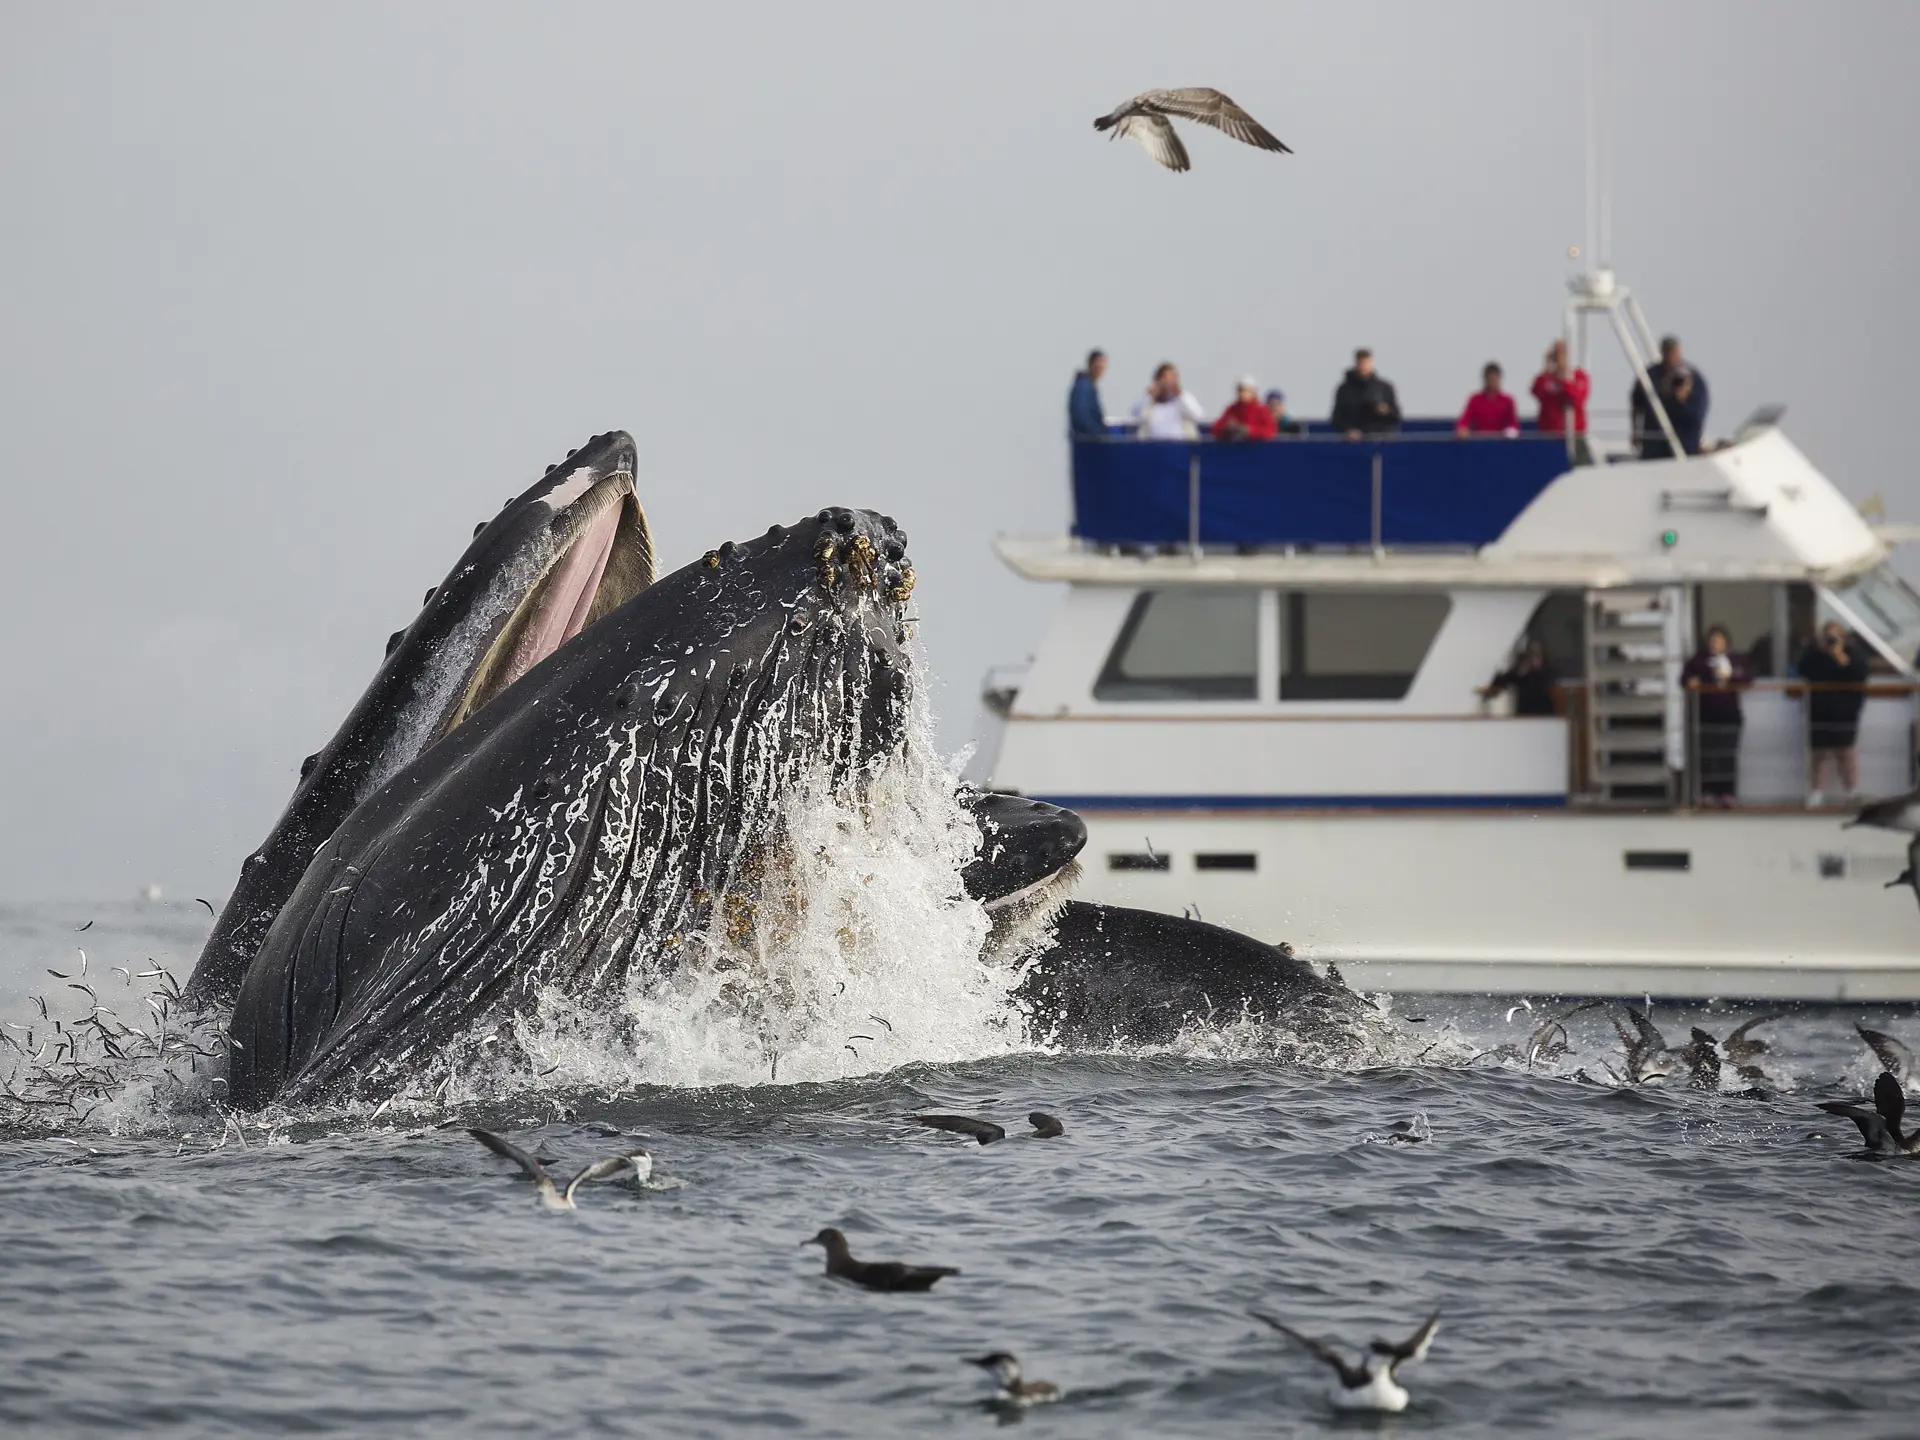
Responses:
[1004,1367]
[874,1274]
[1145,118]
[1370,1385]
[1896,812]
[638,1163]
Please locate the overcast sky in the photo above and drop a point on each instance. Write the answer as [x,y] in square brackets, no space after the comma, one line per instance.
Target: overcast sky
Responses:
[292,296]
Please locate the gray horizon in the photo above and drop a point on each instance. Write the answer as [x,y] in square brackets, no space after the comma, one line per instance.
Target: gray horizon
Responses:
[293,297]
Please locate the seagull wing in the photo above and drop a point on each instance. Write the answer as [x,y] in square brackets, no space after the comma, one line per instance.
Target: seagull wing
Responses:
[610,1168]
[506,1148]
[1872,1128]
[985,1131]
[1210,107]
[1890,1100]
[1352,1376]
[1156,136]
[1738,1036]
[1650,1036]
[1413,1349]
[1890,1052]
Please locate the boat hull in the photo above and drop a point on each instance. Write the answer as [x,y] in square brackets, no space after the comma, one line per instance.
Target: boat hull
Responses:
[1782,905]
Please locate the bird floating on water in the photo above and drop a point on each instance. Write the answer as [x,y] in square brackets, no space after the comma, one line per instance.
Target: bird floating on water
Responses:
[874,1274]
[1004,1367]
[1373,1383]
[637,1163]
[1648,1057]
[1145,118]
[1744,1051]
[1880,1126]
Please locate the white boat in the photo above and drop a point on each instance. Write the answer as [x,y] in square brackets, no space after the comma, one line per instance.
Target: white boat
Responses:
[1261,692]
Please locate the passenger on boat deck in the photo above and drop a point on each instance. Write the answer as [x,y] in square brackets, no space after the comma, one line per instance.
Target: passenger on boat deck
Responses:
[1715,677]
[1166,411]
[1530,679]
[1085,417]
[1837,669]
[1283,423]
[1247,418]
[1365,403]
[1562,390]
[1683,395]
[1490,410]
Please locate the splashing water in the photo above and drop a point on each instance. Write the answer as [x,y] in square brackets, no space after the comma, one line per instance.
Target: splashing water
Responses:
[865,954]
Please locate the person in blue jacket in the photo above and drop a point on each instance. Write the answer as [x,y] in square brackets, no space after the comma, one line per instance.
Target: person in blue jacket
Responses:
[1084,415]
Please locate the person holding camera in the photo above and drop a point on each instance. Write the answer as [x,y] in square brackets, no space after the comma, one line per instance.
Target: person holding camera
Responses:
[1683,395]
[1835,667]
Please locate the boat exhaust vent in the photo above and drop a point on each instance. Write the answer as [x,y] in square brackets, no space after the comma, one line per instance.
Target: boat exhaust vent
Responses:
[1659,859]
[1227,860]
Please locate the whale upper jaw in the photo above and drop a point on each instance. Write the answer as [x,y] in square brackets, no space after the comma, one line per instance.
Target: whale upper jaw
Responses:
[495,614]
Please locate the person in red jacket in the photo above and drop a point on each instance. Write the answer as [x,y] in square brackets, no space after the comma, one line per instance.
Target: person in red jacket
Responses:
[1490,410]
[1562,392]
[1248,417]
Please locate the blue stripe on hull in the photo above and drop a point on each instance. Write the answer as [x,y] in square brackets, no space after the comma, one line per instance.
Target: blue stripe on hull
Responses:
[1306,802]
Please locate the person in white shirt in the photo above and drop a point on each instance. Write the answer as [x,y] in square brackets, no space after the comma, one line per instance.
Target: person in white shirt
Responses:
[1167,412]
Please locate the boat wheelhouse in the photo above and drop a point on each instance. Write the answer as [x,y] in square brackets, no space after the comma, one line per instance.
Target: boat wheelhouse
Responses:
[1261,690]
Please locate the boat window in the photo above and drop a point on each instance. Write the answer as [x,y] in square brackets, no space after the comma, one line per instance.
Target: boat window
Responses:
[1185,644]
[1883,602]
[1356,645]
[1559,623]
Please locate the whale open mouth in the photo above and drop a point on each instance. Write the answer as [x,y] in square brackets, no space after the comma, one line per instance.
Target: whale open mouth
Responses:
[606,560]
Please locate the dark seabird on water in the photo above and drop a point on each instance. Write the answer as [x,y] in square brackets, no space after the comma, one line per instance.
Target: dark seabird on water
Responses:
[1648,1057]
[1702,1058]
[1145,118]
[1745,1052]
[1880,1126]
[874,1274]
[1045,1126]
[985,1131]
[637,1163]
[1892,1055]
[1372,1384]
[1004,1367]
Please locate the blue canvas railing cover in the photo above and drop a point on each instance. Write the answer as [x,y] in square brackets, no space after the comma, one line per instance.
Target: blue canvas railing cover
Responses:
[1433,489]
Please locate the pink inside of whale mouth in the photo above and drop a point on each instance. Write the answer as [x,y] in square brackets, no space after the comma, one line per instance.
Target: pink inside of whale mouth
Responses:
[565,598]
[608,560]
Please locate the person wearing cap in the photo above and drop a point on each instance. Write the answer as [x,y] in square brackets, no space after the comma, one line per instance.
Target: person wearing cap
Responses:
[1283,423]
[1248,417]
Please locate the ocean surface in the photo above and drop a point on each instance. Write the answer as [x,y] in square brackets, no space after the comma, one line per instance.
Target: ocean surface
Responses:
[1608,1261]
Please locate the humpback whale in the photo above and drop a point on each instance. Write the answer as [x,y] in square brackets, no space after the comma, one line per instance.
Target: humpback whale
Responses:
[568,773]
[555,559]
[618,799]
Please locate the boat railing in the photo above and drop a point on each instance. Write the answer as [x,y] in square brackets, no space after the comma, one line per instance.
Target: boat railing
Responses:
[1766,761]
[1421,487]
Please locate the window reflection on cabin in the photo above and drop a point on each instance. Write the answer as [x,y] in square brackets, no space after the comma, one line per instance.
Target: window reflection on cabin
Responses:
[1185,644]
[1356,645]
